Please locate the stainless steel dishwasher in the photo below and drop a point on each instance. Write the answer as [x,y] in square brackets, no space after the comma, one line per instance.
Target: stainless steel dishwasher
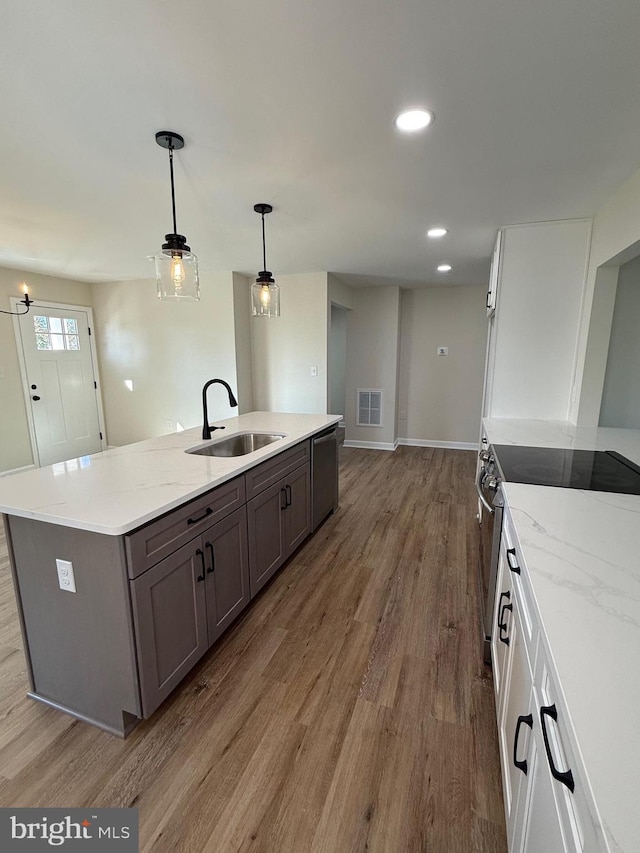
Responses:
[324,473]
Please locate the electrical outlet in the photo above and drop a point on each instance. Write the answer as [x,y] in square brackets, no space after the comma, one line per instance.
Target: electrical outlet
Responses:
[314,370]
[403,416]
[170,425]
[66,578]
[443,350]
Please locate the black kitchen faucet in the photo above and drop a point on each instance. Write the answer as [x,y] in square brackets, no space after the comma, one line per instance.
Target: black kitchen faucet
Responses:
[206,429]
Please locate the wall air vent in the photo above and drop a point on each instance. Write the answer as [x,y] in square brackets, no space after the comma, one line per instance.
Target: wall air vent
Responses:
[369,405]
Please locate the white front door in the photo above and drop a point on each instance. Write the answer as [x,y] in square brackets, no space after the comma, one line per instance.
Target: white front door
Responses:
[61,383]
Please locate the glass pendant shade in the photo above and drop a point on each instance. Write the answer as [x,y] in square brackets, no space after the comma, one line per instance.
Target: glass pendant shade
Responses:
[265,299]
[177,276]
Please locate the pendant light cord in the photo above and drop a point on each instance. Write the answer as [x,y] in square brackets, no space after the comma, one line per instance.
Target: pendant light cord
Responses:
[264,247]
[173,192]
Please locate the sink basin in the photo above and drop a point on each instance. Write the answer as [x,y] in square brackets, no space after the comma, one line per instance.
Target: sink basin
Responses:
[236,445]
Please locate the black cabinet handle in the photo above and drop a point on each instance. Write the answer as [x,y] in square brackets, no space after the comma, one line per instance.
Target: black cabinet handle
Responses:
[211,570]
[488,299]
[207,512]
[283,492]
[288,488]
[35,396]
[200,553]
[502,625]
[527,719]
[566,776]
[515,568]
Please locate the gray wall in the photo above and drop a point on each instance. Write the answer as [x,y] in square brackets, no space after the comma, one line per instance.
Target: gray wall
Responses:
[621,395]
[442,395]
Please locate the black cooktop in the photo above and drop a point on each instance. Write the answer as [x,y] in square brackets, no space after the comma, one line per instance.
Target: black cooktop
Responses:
[598,470]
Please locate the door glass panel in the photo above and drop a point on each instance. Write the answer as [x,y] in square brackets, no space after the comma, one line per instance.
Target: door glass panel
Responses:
[55,333]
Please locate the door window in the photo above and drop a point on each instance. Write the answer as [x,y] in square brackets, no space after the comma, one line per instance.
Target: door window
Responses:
[56,333]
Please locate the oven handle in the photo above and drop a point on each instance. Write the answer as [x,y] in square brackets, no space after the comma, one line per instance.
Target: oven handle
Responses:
[483,500]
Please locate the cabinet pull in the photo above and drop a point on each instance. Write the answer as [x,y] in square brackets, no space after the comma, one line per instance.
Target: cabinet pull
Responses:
[488,299]
[288,488]
[207,512]
[285,504]
[211,570]
[502,625]
[515,568]
[527,719]
[566,776]
[200,553]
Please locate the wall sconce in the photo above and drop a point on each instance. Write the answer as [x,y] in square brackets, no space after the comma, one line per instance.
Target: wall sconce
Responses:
[24,287]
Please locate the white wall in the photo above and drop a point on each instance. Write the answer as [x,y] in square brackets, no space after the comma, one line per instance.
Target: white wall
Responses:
[615,241]
[621,394]
[168,350]
[442,395]
[285,348]
[242,324]
[15,446]
[372,359]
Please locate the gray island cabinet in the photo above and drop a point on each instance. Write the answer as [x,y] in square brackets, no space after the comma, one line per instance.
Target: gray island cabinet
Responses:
[151,601]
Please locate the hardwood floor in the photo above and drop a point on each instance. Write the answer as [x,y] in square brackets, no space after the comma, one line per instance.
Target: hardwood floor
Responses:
[347,710]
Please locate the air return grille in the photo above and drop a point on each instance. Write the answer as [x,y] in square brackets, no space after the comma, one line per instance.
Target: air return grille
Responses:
[369,404]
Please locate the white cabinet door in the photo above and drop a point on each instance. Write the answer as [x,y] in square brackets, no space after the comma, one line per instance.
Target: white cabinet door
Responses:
[492,292]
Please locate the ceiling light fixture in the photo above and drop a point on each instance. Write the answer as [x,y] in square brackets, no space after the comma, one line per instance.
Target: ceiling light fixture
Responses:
[265,293]
[444,268]
[176,266]
[411,121]
[25,301]
[436,232]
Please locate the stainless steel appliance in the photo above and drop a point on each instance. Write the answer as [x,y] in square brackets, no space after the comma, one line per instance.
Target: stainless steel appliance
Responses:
[324,467]
[598,470]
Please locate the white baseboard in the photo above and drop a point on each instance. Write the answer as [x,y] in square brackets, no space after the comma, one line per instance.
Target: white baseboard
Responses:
[16,470]
[450,445]
[372,445]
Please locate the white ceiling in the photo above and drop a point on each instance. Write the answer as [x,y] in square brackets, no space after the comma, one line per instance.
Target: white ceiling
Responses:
[291,102]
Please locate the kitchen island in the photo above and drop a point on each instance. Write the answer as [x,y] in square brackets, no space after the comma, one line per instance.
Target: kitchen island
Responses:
[579,586]
[129,564]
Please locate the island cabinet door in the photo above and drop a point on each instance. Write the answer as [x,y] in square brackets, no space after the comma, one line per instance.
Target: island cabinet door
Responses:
[227,572]
[265,522]
[170,620]
[297,517]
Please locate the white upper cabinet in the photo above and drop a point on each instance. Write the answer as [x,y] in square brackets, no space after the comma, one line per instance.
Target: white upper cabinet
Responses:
[492,292]
[534,332]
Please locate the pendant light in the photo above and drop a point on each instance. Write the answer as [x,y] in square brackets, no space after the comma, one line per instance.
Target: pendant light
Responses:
[265,293]
[176,265]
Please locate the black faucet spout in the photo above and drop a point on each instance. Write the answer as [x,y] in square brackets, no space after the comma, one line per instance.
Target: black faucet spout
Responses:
[206,429]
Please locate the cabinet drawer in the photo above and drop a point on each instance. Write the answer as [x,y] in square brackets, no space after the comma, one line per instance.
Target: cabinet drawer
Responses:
[152,543]
[268,473]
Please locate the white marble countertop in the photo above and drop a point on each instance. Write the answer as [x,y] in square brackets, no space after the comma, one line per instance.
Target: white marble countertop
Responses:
[582,555]
[563,434]
[120,489]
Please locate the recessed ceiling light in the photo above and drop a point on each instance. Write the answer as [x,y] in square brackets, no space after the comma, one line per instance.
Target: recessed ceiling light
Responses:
[411,120]
[436,232]
[444,268]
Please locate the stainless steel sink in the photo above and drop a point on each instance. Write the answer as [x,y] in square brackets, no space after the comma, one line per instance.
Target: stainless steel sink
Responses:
[236,445]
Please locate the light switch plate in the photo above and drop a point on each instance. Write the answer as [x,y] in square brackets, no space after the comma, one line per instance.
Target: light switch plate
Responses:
[66,578]
[443,350]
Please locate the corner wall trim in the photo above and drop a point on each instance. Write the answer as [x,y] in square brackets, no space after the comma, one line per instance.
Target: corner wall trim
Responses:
[372,445]
[451,445]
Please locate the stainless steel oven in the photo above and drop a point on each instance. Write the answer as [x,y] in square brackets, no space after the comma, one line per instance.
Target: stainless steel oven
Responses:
[490,507]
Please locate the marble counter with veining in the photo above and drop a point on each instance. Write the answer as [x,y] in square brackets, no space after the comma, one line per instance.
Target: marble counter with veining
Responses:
[582,556]
[120,489]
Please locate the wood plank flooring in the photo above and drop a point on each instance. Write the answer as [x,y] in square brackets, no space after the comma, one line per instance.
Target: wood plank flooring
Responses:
[347,710]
